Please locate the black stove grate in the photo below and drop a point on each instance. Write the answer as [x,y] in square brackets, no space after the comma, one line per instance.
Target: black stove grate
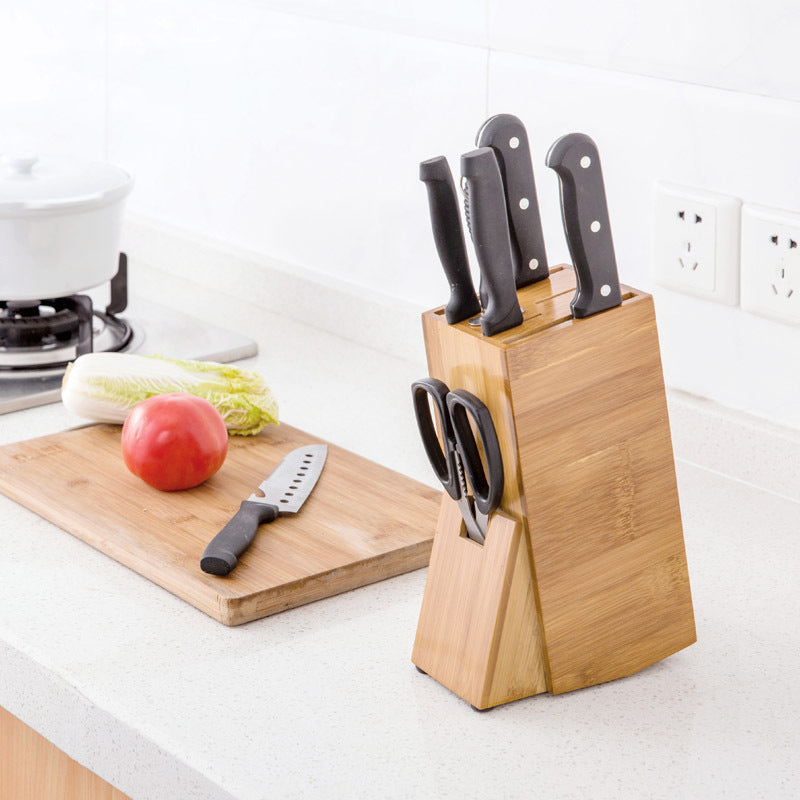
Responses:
[61,327]
[48,322]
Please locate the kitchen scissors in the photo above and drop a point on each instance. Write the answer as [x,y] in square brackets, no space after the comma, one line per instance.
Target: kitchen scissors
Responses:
[457,460]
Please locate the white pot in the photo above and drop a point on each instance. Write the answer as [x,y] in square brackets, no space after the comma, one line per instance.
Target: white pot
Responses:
[60,225]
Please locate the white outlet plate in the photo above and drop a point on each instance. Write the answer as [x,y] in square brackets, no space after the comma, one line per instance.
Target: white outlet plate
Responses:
[696,242]
[771,262]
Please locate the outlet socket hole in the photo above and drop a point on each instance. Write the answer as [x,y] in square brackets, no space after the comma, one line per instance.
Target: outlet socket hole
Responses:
[773,239]
[697,218]
[792,244]
[682,214]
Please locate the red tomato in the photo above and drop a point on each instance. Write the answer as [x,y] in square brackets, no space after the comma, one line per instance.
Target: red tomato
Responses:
[174,441]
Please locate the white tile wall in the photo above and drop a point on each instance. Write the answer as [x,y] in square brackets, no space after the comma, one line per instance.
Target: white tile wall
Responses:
[732,44]
[294,130]
[290,136]
[738,144]
[52,77]
[461,21]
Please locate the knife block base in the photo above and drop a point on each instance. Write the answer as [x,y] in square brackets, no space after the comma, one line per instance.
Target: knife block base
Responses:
[478,632]
[581,416]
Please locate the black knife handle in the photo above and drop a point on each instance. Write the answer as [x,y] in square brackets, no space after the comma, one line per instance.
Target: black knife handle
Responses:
[584,210]
[488,224]
[448,235]
[223,551]
[506,135]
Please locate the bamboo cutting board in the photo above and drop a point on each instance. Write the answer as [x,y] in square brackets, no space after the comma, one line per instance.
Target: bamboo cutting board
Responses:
[361,524]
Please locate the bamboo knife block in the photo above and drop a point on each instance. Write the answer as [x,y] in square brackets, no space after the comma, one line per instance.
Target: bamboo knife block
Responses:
[583,577]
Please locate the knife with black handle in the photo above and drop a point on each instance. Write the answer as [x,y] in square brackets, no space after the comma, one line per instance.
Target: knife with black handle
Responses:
[449,238]
[584,210]
[506,135]
[485,206]
[283,492]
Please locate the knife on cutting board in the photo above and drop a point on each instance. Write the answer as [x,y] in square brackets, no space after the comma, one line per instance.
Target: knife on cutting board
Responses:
[485,206]
[449,238]
[506,135]
[584,211]
[284,491]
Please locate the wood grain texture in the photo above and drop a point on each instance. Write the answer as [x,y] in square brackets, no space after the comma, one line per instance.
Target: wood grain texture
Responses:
[581,413]
[478,630]
[604,517]
[32,768]
[362,523]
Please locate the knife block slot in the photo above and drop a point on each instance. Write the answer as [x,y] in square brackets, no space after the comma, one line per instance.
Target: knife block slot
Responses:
[581,416]
[477,610]
[462,533]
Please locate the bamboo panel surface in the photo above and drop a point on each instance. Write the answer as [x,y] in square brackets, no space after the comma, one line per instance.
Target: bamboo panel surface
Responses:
[580,411]
[478,634]
[32,768]
[601,496]
[362,522]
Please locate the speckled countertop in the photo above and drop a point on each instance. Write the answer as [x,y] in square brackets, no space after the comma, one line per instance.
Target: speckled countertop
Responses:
[323,701]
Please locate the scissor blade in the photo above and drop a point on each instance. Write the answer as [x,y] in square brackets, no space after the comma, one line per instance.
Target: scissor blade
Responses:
[462,478]
[467,506]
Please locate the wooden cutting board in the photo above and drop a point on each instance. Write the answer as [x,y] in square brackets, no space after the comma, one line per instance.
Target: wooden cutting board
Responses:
[361,524]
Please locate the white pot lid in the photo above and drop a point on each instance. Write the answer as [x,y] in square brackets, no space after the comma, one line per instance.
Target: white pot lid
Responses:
[31,184]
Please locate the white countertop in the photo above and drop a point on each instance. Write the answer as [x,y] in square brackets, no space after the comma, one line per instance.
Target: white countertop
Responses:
[323,700]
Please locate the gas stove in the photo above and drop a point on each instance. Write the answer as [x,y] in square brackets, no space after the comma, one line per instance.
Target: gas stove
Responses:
[39,338]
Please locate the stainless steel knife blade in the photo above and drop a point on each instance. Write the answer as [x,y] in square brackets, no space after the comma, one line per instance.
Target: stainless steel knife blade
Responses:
[284,492]
[290,484]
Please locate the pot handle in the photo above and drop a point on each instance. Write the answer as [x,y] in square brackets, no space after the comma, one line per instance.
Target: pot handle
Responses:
[21,165]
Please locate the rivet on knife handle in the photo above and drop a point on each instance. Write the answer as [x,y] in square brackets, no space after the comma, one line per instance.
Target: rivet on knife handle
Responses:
[584,210]
[506,135]
[488,225]
[448,235]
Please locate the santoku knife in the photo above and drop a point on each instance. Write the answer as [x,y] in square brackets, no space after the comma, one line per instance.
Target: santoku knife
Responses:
[485,206]
[285,490]
[506,135]
[575,159]
[449,238]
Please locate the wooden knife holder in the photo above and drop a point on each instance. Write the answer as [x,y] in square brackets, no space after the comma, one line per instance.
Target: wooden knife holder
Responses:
[583,577]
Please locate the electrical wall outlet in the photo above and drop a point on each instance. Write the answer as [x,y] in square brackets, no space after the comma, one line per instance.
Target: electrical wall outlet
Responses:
[771,262]
[696,242]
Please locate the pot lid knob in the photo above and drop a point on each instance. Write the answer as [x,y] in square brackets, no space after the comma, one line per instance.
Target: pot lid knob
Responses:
[21,165]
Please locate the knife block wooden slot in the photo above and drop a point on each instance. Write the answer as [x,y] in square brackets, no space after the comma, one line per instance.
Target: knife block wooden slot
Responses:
[581,415]
[478,631]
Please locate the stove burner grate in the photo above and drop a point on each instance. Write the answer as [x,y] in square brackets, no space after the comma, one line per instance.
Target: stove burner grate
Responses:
[49,333]
[38,325]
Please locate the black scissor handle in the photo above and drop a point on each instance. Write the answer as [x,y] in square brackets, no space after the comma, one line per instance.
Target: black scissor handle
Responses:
[443,460]
[487,490]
